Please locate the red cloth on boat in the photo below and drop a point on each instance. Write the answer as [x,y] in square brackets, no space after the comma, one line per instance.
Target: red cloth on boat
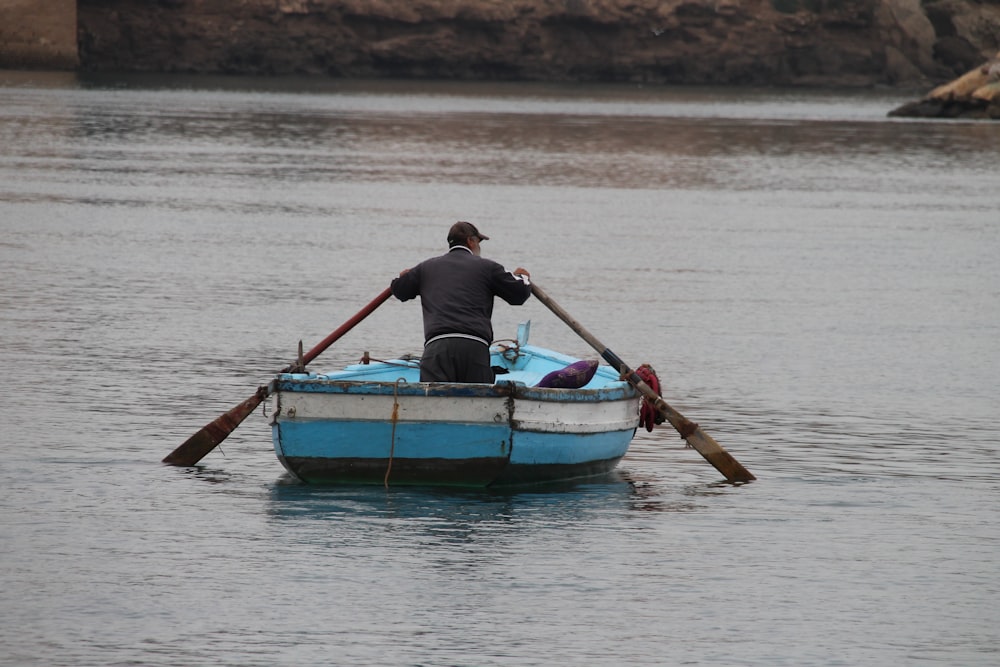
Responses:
[649,416]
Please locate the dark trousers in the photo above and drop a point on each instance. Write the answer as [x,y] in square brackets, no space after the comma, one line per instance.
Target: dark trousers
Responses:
[456,360]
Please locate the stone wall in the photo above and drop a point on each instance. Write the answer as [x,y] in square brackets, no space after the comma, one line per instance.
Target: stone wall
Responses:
[771,42]
[38,34]
[824,42]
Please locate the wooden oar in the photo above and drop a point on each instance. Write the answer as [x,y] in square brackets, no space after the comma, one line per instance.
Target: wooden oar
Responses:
[691,432]
[205,440]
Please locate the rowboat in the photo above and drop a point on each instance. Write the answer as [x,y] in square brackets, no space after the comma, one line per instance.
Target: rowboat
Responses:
[548,417]
[335,428]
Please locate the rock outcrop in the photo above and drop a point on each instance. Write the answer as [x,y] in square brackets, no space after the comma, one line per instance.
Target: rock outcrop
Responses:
[38,34]
[769,42]
[976,94]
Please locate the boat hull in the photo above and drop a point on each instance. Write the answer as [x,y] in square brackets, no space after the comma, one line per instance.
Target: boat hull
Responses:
[360,428]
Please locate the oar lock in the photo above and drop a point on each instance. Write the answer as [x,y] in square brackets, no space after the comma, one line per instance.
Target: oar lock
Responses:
[299,365]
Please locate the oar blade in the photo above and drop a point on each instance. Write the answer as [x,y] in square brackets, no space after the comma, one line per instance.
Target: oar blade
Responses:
[693,434]
[714,453]
[201,443]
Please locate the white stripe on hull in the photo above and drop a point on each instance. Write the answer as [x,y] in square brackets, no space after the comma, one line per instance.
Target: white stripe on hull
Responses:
[527,414]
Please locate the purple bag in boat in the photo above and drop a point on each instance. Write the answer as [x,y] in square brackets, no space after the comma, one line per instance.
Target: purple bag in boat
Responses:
[573,376]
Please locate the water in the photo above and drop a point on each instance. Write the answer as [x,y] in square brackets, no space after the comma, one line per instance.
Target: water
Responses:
[816,284]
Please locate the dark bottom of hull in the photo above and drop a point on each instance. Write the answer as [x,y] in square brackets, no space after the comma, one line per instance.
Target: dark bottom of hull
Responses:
[476,473]
[519,475]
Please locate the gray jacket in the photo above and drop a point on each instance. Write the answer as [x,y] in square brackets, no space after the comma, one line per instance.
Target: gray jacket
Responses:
[456,293]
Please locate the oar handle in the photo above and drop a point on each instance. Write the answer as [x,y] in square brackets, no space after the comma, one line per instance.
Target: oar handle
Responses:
[690,431]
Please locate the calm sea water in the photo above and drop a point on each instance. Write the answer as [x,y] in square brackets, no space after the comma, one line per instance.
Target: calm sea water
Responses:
[816,284]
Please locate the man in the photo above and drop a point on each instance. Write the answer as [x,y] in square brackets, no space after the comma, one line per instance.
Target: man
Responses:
[456,295]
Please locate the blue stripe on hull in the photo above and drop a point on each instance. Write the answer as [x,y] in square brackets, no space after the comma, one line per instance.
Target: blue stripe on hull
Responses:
[532,448]
[424,453]
[543,457]
[373,440]
[450,454]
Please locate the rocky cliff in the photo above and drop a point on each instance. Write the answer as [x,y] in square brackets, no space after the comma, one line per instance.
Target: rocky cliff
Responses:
[33,34]
[776,42]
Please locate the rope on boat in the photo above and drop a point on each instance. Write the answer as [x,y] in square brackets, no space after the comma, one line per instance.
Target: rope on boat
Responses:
[395,420]
[649,416]
[509,352]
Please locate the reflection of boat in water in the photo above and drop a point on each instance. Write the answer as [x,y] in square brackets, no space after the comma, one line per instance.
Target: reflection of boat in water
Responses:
[451,511]
[375,423]
[500,517]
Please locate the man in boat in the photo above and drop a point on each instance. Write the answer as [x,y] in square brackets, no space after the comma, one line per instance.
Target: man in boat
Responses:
[456,293]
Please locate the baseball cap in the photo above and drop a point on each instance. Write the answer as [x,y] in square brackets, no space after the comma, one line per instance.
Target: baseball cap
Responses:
[462,230]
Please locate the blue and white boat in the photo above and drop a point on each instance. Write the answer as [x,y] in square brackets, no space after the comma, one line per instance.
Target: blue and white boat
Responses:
[376,423]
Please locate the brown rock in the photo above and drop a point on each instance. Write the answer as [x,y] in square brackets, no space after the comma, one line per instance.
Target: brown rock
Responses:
[33,35]
[768,42]
[975,94]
